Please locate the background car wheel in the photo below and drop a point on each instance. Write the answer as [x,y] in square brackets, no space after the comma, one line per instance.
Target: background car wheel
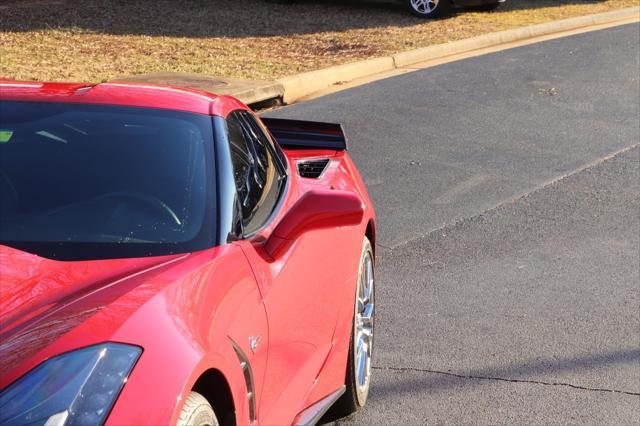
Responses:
[429,9]
[358,377]
[197,412]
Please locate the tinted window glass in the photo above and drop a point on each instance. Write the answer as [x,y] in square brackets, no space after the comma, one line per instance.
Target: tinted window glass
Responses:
[265,139]
[90,181]
[259,179]
[247,177]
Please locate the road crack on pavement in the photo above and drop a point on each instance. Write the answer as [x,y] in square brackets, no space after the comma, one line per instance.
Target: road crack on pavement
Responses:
[502,379]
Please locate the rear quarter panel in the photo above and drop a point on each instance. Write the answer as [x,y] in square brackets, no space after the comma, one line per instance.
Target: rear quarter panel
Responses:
[341,174]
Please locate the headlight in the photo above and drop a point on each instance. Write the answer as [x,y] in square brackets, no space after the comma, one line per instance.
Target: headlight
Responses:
[76,388]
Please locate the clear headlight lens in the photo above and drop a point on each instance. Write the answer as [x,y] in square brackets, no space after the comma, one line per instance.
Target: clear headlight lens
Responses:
[75,388]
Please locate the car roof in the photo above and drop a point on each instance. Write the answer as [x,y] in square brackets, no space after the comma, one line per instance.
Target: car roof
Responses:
[121,93]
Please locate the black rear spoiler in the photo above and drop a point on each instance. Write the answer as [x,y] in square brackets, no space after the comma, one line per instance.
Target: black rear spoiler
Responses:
[298,134]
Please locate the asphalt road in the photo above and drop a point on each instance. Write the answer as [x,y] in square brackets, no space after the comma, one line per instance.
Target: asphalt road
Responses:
[508,193]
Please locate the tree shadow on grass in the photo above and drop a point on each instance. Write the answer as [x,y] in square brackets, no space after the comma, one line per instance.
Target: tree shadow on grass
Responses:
[218,18]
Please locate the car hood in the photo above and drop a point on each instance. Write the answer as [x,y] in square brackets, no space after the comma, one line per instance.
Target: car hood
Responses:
[38,296]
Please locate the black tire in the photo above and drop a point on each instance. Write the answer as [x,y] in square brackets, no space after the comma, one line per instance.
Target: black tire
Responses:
[431,9]
[197,412]
[350,402]
[488,7]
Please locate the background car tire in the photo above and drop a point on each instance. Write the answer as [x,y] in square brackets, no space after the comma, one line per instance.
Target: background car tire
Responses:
[353,399]
[488,7]
[429,9]
[197,412]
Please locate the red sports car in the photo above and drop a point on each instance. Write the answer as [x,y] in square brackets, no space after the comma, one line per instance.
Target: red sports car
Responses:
[170,258]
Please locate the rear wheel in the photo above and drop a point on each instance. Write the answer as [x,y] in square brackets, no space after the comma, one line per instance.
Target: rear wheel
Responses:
[197,412]
[429,9]
[358,378]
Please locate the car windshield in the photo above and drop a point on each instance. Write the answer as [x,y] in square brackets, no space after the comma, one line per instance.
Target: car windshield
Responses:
[99,181]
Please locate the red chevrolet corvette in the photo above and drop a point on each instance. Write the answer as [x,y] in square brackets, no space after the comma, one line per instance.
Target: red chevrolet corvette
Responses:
[168,257]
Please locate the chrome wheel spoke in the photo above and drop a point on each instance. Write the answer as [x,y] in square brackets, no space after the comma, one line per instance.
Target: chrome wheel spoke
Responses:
[367,317]
[362,356]
[367,332]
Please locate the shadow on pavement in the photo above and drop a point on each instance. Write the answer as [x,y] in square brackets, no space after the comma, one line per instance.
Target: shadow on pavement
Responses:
[425,382]
[538,371]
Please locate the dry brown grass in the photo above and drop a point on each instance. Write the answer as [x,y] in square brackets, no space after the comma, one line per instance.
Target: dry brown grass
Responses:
[103,39]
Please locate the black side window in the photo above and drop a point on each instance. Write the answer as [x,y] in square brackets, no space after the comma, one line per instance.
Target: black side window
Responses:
[259,175]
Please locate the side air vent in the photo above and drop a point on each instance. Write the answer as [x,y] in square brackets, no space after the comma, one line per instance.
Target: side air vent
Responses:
[248,378]
[312,169]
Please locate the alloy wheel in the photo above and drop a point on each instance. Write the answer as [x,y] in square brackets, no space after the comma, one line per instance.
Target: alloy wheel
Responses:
[363,328]
[424,6]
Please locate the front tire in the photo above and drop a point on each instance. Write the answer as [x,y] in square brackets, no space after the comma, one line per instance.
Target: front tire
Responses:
[358,378]
[429,9]
[197,412]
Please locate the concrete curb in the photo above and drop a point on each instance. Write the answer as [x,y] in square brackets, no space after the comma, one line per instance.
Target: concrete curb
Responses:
[301,85]
[260,92]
